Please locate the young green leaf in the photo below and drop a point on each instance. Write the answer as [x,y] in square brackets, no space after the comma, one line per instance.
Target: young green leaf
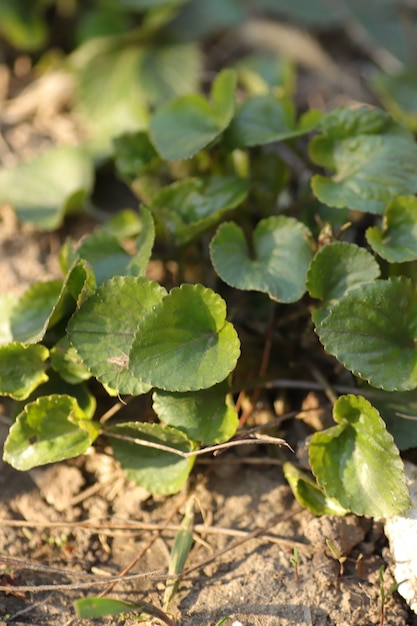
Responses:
[373,331]
[263,119]
[189,207]
[54,183]
[66,361]
[50,429]
[336,269]
[184,126]
[144,244]
[22,369]
[204,415]
[186,343]
[93,607]
[134,154]
[373,159]
[357,462]
[180,550]
[397,240]
[158,470]
[309,494]
[261,73]
[105,254]
[282,254]
[103,329]
[32,314]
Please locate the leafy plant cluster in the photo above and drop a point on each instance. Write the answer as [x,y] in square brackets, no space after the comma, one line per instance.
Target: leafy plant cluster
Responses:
[213,184]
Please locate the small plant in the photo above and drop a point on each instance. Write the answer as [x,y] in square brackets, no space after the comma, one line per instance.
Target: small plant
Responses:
[337,555]
[222,207]
[384,594]
[296,561]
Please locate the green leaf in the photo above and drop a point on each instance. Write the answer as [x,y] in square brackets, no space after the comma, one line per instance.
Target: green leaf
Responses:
[66,361]
[309,494]
[374,160]
[263,119]
[52,428]
[337,269]
[357,462]
[105,254]
[159,471]
[180,550]
[31,315]
[134,155]
[398,92]
[261,73]
[184,126]
[22,369]
[189,207]
[144,244]
[22,24]
[103,329]
[396,242]
[124,224]
[373,331]
[205,416]
[49,186]
[8,301]
[90,608]
[281,256]
[186,344]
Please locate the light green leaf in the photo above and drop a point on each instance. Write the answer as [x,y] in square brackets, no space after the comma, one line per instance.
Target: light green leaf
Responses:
[180,550]
[374,160]
[184,126]
[124,224]
[357,462]
[144,244]
[261,73]
[52,428]
[159,471]
[31,315]
[93,607]
[189,207]
[49,186]
[103,329]
[7,303]
[264,119]
[22,369]
[396,242]
[186,344]
[66,361]
[205,416]
[23,25]
[373,331]
[337,269]
[309,494]
[281,256]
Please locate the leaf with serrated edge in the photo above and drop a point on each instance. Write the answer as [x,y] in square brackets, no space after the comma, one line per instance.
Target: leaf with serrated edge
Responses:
[103,329]
[373,332]
[358,463]
[186,344]
[282,254]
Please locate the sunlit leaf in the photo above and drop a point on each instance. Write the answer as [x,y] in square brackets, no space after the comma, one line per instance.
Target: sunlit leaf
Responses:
[22,369]
[309,494]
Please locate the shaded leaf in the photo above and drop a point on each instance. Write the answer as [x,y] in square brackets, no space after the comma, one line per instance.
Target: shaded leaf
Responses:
[281,256]
[134,154]
[186,344]
[204,415]
[373,331]
[49,186]
[157,470]
[32,313]
[398,92]
[103,329]
[357,462]
[50,429]
[66,361]
[337,269]
[397,240]
[22,369]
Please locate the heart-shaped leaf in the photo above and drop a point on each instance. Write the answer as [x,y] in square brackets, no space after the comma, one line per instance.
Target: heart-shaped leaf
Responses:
[358,463]
[49,186]
[189,207]
[397,240]
[282,254]
[22,369]
[373,332]
[157,470]
[336,269]
[184,126]
[50,429]
[204,415]
[186,344]
[103,329]
[374,160]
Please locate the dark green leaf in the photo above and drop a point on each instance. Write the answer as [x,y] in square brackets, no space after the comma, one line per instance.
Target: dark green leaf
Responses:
[205,416]
[373,331]
[397,240]
[282,254]
[103,329]
[134,154]
[357,462]
[66,361]
[50,429]
[159,471]
[186,343]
